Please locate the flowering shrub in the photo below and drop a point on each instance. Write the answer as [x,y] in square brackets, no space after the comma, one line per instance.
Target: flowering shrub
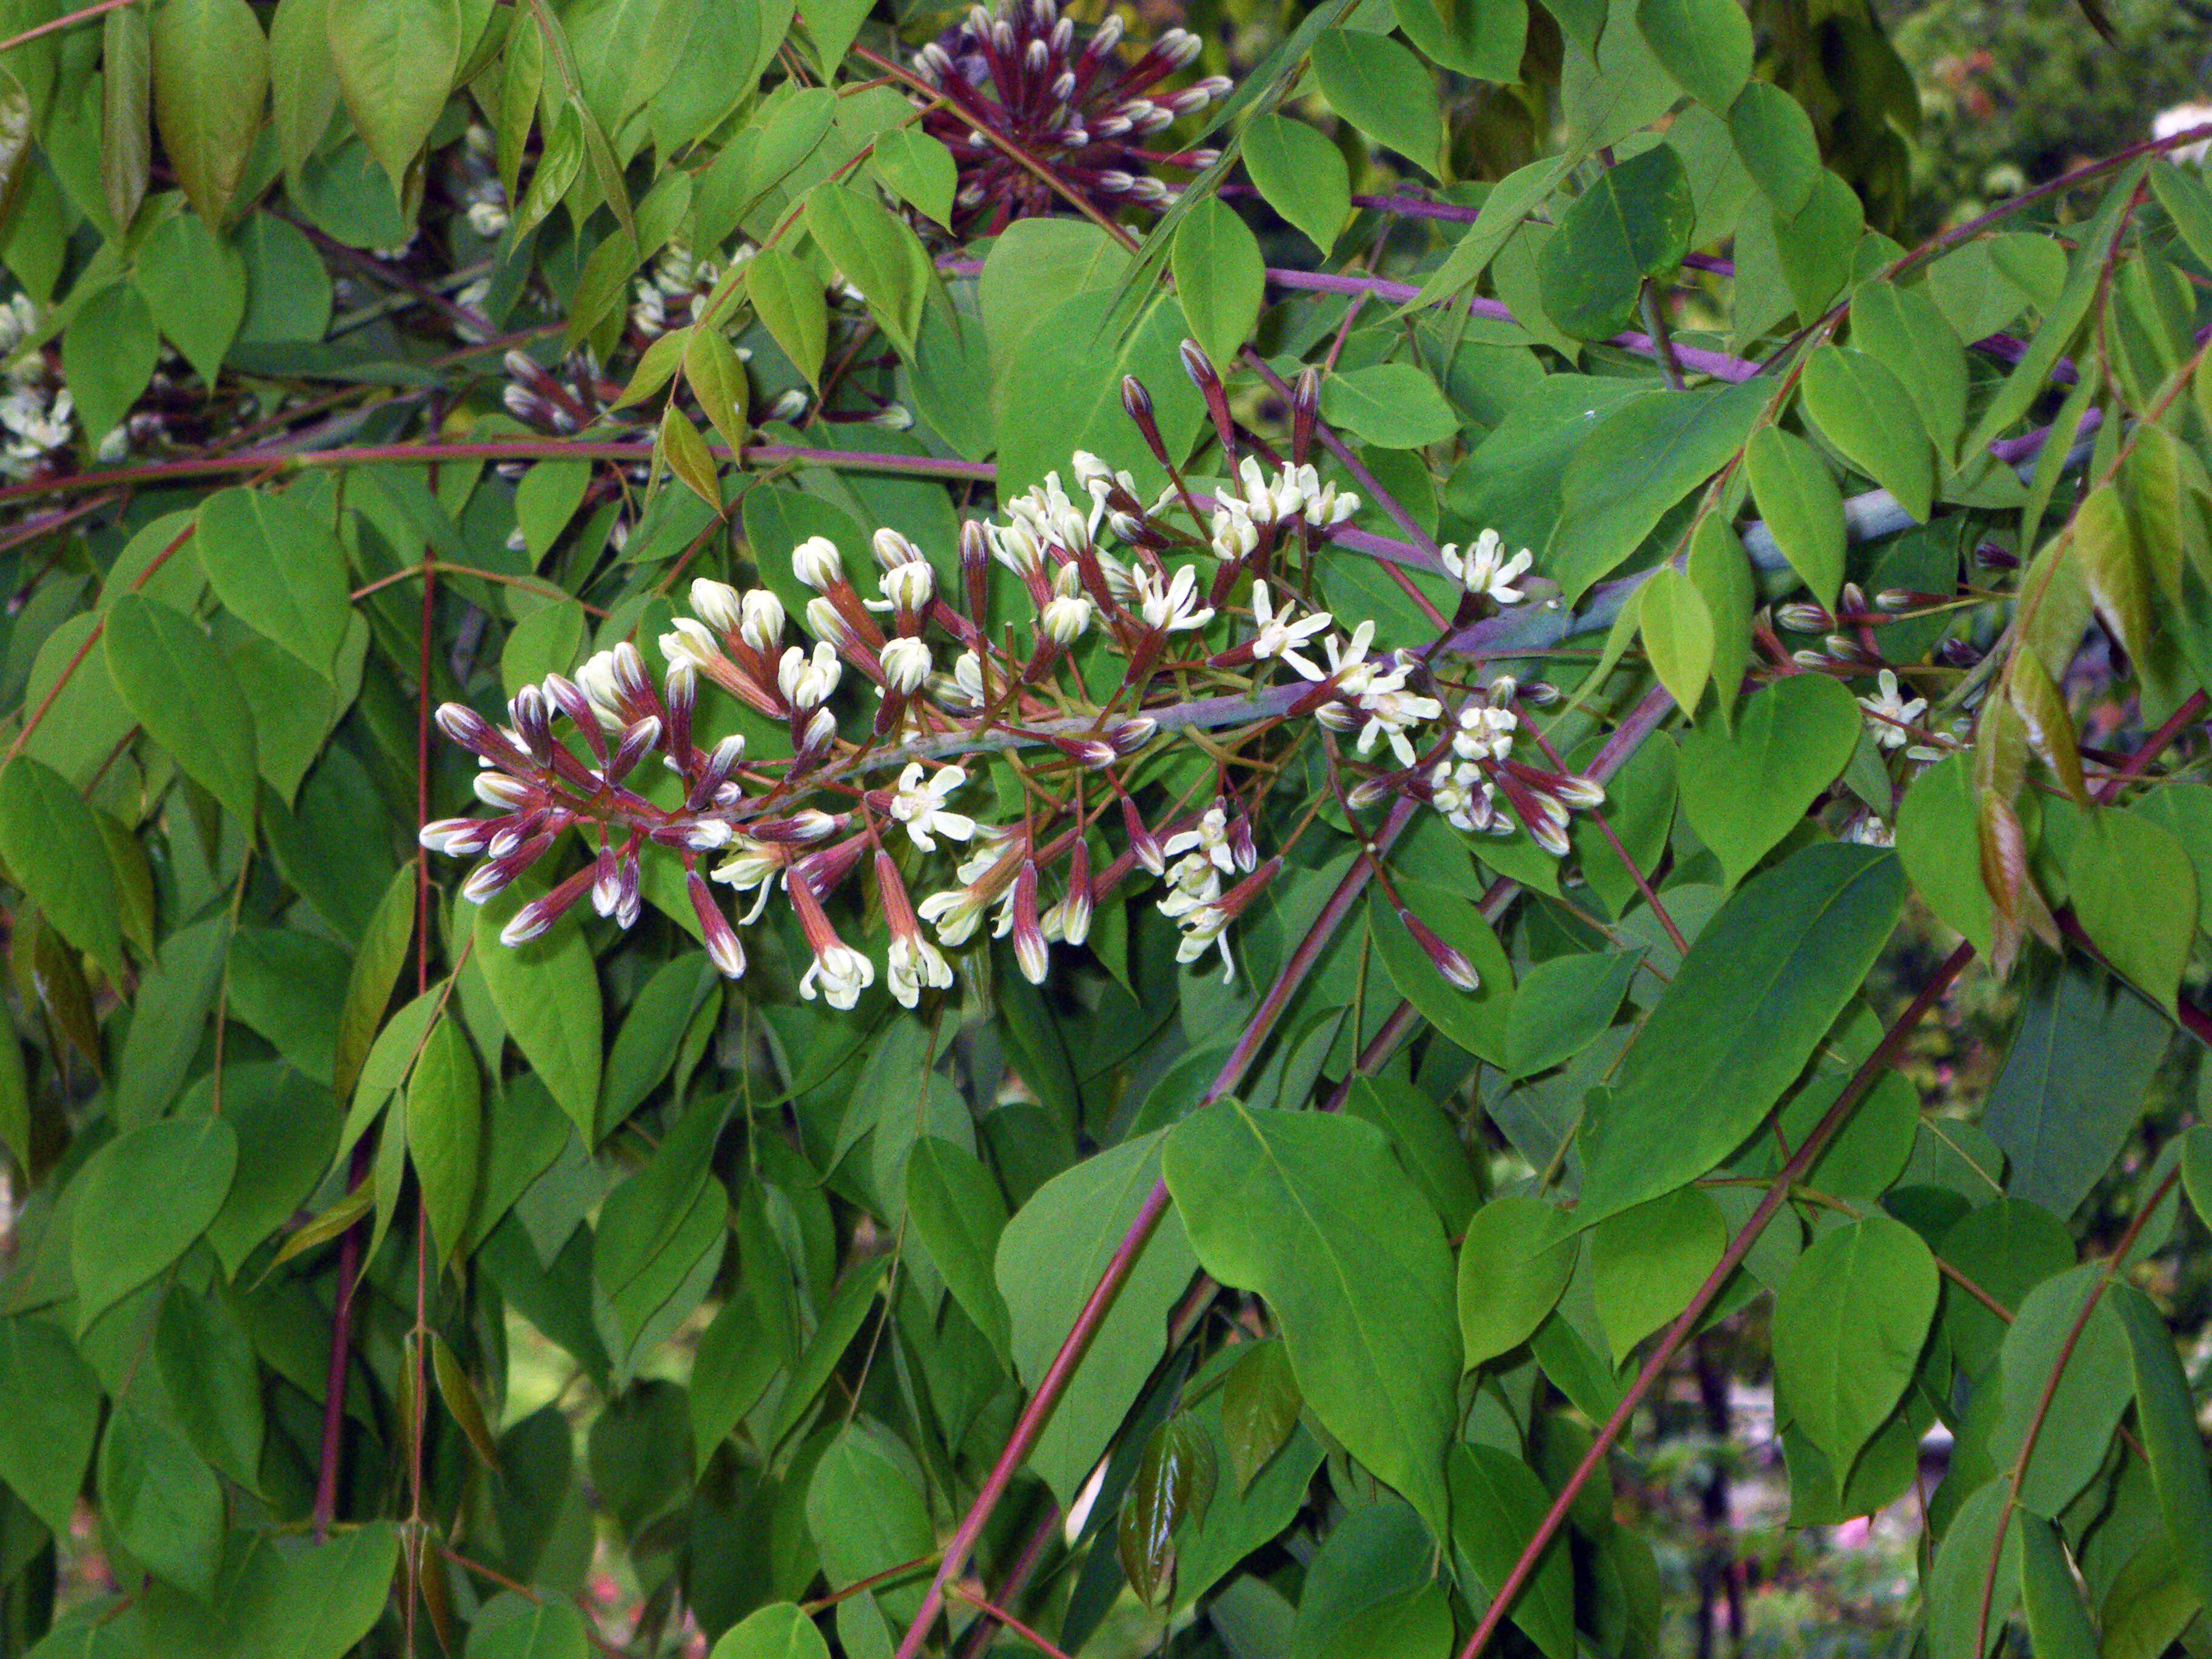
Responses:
[1284,738]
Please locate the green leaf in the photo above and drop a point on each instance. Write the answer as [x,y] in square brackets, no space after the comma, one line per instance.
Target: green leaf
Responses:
[375,972]
[789,302]
[445,1130]
[118,1239]
[167,1019]
[1562,1006]
[731,1369]
[126,144]
[959,1217]
[780,1632]
[1220,279]
[288,292]
[174,680]
[108,353]
[1775,141]
[53,1413]
[1260,1407]
[1504,209]
[278,568]
[2074,1081]
[1378,85]
[1903,329]
[1815,245]
[1302,175]
[1391,405]
[878,255]
[1314,1213]
[195,284]
[1647,1262]
[865,1511]
[1678,635]
[208,1369]
[1637,462]
[1481,38]
[2118,858]
[1632,222]
[1497,1503]
[164,1503]
[331,1596]
[1513,1264]
[917,169]
[2057,1623]
[2165,1416]
[1759,990]
[512,1626]
[303,81]
[1745,792]
[1705,45]
[1862,408]
[210,70]
[1050,1255]
[1973,1555]
[1721,572]
[1804,511]
[2111,564]
[395,61]
[45,828]
[2094,1365]
[1426,1142]
[549,996]
[1849,1325]
[841,1323]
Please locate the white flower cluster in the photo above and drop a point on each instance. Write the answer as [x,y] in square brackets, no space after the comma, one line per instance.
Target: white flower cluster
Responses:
[36,410]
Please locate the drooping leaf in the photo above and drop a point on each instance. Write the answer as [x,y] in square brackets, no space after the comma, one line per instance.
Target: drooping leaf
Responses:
[177,683]
[1301,175]
[210,72]
[118,1241]
[395,61]
[1803,510]
[1744,791]
[1513,1264]
[1381,88]
[1220,278]
[1849,1324]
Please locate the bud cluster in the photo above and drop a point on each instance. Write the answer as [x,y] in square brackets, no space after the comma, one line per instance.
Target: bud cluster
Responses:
[1076,628]
[1084,111]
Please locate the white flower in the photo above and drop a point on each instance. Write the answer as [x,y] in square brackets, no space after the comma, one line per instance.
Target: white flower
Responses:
[1267,500]
[1175,608]
[1210,840]
[1203,929]
[488,219]
[1232,534]
[1484,731]
[1014,546]
[1280,637]
[1890,714]
[754,864]
[815,563]
[805,681]
[918,803]
[906,664]
[648,310]
[967,678]
[19,320]
[690,642]
[1463,795]
[1391,711]
[842,972]
[915,963]
[955,912]
[825,621]
[2180,119]
[1486,569]
[1192,881]
[893,549]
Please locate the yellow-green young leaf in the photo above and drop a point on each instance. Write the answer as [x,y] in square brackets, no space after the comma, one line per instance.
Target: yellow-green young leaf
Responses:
[788,301]
[303,83]
[1722,575]
[2113,567]
[1678,635]
[656,367]
[1775,141]
[1220,278]
[1848,1323]
[2134,894]
[2049,726]
[1866,413]
[2057,1623]
[558,163]
[460,1397]
[718,382]
[45,830]
[917,169]
[1381,88]
[395,61]
[1705,44]
[376,964]
[1647,1262]
[126,141]
[2165,485]
[210,70]
[689,458]
[878,255]
[182,691]
[445,1129]
[1301,175]
[1513,1264]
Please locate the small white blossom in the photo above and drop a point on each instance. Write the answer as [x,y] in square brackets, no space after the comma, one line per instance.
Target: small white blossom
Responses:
[1486,569]
[955,914]
[1889,713]
[1280,637]
[806,682]
[842,973]
[913,963]
[1173,608]
[918,803]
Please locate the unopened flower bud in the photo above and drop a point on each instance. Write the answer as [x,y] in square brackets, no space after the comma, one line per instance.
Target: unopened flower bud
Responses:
[1896,599]
[1144,845]
[760,621]
[1075,908]
[456,837]
[1448,962]
[717,604]
[1128,736]
[474,733]
[893,549]
[497,789]
[906,664]
[1365,794]
[723,949]
[638,740]
[1064,620]
[815,563]
[1579,792]
[1802,618]
[909,587]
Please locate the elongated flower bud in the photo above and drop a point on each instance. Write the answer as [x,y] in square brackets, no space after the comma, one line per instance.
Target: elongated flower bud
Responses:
[723,949]
[1449,961]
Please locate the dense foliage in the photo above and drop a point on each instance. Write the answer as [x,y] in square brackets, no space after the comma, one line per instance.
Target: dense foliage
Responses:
[1281,735]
